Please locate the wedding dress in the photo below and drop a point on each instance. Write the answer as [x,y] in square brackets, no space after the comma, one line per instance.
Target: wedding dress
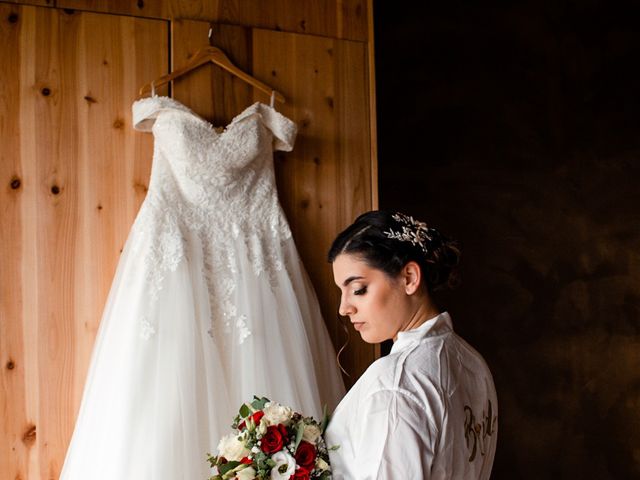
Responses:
[210,305]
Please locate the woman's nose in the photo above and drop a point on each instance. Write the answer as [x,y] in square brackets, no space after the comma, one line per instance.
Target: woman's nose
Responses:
[346,308]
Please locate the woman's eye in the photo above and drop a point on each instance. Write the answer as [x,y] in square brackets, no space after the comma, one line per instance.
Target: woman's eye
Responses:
[361,291]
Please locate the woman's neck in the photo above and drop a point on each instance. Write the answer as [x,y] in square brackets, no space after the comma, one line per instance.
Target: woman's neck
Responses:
[425,310]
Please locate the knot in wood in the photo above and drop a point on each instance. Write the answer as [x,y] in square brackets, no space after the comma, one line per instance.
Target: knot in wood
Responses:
[29,437]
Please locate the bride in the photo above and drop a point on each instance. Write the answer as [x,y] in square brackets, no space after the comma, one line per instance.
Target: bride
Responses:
[429,409]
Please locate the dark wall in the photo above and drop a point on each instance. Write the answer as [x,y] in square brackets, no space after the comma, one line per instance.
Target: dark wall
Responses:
[515,127]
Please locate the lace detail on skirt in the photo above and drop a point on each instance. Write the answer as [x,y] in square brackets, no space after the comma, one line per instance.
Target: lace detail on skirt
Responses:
[163,246]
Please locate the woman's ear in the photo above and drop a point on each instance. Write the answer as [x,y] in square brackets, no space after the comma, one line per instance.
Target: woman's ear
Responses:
[411,276]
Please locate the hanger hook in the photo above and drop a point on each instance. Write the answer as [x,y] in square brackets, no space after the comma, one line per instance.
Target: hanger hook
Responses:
[210,34]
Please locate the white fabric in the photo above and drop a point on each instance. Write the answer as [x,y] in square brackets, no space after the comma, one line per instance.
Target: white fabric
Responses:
[422,412]
[209,306]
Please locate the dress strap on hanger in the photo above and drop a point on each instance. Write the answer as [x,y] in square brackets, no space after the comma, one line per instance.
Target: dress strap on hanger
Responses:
[273,98]
[153,89]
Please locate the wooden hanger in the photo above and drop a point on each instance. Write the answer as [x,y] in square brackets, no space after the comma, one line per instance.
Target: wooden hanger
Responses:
[217,56]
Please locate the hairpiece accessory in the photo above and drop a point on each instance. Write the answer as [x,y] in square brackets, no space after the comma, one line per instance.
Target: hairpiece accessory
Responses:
[414,231]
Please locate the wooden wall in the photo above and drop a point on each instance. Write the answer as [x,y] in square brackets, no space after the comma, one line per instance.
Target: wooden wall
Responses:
[341,19]
[73,173]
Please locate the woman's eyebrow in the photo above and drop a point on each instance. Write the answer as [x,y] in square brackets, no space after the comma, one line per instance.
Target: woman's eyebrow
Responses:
[350,279]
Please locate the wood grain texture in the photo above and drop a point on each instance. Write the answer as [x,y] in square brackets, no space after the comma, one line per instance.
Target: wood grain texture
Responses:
[16,193]
[42,3]
[74,178]
[346,19]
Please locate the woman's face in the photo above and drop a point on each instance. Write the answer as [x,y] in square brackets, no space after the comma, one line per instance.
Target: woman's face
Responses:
[378,306]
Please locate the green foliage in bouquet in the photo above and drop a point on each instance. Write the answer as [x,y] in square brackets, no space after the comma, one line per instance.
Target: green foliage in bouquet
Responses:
[271,441]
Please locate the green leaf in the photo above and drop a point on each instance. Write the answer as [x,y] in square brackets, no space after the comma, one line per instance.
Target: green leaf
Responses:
[271,463]
[222,469]
[299,434]
[259,403]
[245,411]
[325,419]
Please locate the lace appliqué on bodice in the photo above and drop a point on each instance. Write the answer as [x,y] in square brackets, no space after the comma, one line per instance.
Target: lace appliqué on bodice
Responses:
[211,195]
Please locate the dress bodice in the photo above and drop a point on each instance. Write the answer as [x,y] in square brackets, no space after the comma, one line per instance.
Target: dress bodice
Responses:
[197,167]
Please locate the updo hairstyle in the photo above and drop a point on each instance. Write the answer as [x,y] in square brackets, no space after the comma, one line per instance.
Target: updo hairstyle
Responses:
[388,241]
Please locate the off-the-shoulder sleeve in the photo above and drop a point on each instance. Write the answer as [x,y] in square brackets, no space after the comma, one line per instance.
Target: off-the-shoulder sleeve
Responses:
[284,130]
[146,110]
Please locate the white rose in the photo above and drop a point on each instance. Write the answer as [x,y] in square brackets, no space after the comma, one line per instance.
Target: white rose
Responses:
[285,466]
[262,427]
[275,413]
[246,474]
[231,448]
[311,433]
[321,464]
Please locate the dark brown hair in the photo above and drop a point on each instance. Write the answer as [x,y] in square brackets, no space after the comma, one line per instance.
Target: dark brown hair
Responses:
[384,240]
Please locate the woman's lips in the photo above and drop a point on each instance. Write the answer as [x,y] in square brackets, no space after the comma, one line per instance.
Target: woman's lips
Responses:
[358,325]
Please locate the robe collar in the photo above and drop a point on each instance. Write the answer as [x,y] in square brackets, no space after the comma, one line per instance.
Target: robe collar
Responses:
[438,325]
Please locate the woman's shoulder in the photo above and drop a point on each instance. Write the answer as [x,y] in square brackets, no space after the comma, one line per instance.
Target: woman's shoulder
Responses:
[385,366]
[385,374]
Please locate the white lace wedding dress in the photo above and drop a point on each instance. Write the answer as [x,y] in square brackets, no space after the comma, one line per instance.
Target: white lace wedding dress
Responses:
[210,304]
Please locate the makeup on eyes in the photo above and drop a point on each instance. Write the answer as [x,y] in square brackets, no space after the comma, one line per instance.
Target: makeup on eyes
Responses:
[360,291]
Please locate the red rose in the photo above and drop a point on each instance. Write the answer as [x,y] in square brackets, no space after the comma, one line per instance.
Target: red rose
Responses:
[274,439]
[255,417]
[246,461]
[301,474]
[306,455]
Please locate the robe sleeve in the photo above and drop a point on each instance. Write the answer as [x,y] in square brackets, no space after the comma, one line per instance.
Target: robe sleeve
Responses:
[395,439]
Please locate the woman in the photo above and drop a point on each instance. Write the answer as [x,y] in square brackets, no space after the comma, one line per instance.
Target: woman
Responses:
[428,410]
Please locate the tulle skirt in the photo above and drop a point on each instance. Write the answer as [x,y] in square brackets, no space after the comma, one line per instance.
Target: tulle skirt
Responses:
[160,391]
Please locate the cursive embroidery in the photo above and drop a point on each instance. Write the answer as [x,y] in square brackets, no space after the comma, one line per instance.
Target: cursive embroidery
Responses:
[476,433]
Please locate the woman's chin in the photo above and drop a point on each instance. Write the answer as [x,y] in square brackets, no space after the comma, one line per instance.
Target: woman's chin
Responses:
[368,337]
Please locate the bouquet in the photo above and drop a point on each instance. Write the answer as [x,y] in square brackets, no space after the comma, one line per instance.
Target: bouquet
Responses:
[271,441]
